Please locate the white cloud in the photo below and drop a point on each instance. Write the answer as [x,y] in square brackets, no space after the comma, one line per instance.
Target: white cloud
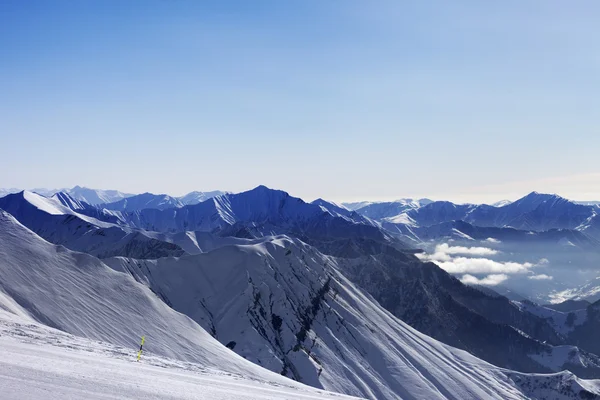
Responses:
[463,265]
[443,252]
[490,280]
[473,251]
[543,261]
[541,277]
[492,240]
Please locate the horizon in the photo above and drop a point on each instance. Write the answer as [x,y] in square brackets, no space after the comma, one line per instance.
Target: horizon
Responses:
[341,100]
[307,200]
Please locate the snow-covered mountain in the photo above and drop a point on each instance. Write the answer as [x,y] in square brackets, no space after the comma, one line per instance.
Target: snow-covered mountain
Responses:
[444,298]
[142,201]
[416,203]
[333,334]
[86,195]
[356,205]
[255,213]
[58,224]
[381,210]
[501,203]
[535,212]
[95,196]
[198,197]
[338,210]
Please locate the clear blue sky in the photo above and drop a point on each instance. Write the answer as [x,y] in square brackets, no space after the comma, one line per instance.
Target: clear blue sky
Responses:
[341,99]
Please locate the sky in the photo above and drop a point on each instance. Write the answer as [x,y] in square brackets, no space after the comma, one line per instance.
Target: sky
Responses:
[346,100]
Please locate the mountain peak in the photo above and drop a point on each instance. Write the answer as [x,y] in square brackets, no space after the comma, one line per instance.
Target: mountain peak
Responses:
[263,190]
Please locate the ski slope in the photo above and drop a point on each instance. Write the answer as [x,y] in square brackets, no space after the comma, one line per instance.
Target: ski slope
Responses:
[38,363]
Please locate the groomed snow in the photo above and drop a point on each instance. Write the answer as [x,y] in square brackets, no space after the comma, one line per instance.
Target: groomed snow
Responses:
[38,363]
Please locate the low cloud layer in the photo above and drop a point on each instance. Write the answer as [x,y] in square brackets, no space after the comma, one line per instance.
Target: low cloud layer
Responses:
[445,252]
[471,261]
[490,280]
[473,251]
[463,265]
[541,277]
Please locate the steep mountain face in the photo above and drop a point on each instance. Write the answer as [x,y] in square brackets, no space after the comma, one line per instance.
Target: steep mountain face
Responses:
[61,225]
[142,201]
[198,197]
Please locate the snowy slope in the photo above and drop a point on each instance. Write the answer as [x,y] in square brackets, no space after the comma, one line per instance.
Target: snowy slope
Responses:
[38,361]
[356,345]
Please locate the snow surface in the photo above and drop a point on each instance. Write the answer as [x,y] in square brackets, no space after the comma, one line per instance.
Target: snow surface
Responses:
[50,206]
[38,362]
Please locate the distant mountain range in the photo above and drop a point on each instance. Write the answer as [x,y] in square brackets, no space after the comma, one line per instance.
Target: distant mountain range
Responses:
[535,212]
[96,197]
